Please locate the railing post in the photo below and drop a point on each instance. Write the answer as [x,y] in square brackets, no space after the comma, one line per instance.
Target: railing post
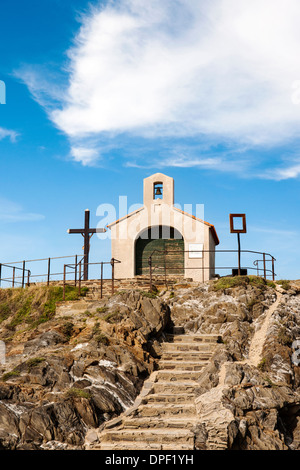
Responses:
[14,273]
[48,276]
[112,262]
[239,254]
[28,278]
[150,272]
[76,261]
[101,285]
[165,268]
[23,275]
[64,285]
[264,259]
[79,280]
[273,269]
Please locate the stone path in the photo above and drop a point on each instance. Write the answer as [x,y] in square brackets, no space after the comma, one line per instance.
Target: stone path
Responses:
[258,340]
[164,415]
[210,408]
[167,411]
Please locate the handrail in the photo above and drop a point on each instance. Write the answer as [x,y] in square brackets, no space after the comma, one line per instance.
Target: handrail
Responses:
[112,262]
[265,260]
[27,272]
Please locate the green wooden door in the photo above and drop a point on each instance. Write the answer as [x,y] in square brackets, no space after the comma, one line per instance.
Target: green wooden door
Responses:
[166,253]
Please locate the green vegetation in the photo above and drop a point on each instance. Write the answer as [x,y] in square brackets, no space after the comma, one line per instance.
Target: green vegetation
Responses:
[8,375]
[284,283]
[98,336]
[67,329]
[4,311]
[102,309]
[77,393]
[265,364]
[33,305]
[241,281]
[150,294]
[31,363]
[113,317]
[284,338]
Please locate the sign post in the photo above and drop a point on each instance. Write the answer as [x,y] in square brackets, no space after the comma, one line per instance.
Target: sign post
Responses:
[238,226]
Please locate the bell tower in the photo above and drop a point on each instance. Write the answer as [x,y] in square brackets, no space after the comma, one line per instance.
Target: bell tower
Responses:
[158,189]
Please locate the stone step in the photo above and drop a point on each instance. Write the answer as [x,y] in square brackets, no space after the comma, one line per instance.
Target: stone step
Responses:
[167,411]
[161,436]
[174,376]
[169,398]
[185,347]
[185,356]
[144,422]
[182,365]
[138,446]
[175,387]
[187,338]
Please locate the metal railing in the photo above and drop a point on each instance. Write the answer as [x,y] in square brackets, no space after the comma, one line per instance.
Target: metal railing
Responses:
[78,270]
[24,275]
[266,271]
[9,271]
[16,276]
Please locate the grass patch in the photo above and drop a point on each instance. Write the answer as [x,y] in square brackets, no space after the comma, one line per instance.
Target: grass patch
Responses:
[284,338]
[34,362]
[113,317]
[98,336]
[264,364]
[10,374]
[150,295]
[102,309]
[241,281]
[67,329]
[33,305]
[284,283]
[5,311]
[77,393]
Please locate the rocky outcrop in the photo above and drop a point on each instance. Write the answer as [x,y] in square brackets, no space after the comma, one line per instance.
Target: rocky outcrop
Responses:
[164,415]
[97,367]
[242,402]
[81,368]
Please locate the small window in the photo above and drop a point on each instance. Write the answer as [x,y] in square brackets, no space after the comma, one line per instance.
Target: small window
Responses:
[158,191]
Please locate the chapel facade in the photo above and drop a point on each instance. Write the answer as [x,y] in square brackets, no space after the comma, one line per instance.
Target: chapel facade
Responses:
[179,244]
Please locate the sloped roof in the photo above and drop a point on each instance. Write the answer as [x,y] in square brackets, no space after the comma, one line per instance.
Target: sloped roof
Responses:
[212,227]
[125,217]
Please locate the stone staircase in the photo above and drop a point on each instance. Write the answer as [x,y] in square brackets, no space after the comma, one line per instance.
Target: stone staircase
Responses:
[138,282]
[164,415]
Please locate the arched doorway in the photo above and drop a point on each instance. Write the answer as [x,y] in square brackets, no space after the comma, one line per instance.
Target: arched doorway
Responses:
[165,245]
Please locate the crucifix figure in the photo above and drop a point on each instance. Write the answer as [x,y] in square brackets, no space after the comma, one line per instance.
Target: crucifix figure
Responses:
[87,234]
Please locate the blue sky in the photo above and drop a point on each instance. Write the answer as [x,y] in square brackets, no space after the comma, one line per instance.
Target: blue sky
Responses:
[100,95]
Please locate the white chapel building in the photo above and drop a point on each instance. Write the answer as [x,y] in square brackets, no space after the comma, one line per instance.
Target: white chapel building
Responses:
[178,243]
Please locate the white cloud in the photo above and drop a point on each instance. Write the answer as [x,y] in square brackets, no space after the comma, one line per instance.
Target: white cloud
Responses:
[12,135]
[87,156]
[223,70]
[13,212]
[285,173]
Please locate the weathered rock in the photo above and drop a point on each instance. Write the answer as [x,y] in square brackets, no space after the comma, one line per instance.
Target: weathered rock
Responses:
[71,375]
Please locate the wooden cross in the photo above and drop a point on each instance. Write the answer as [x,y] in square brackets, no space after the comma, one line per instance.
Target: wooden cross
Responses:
[87,234]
